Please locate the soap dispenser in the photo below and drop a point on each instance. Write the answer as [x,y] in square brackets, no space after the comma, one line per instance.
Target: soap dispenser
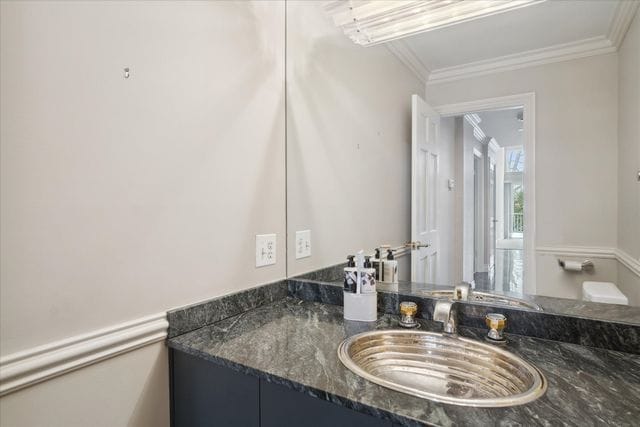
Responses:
[361,305]
[368,284]
[391,269]
[376,263]
[350,275]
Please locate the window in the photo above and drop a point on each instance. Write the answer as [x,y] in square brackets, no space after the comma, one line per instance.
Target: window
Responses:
[515,159]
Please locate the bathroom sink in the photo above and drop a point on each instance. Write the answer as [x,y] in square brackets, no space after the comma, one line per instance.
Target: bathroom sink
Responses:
[444,368]
[484,298]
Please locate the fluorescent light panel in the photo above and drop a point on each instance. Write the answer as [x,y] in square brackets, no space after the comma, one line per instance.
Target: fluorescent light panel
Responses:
[369,22]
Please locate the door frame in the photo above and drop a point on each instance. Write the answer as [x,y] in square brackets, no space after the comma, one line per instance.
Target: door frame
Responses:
[491,221]
[527,101]
[478,213]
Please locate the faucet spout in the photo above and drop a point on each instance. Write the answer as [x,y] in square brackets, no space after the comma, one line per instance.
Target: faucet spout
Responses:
[462,291]
[444,312]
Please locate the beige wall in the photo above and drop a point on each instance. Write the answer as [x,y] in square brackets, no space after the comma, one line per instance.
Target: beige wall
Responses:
[126,197]
[554,281]
[128,390]
[348,140]
[629,157]
[576,149]
[576,134]
[629,284]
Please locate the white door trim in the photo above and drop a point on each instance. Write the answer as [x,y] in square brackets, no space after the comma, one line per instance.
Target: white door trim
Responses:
[527,101]
[479,264]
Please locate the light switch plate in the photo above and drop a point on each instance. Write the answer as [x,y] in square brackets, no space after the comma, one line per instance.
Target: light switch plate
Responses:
[265,249]
[303,244]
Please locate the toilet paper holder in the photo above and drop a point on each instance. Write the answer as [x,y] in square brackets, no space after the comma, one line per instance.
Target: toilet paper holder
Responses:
[585,265]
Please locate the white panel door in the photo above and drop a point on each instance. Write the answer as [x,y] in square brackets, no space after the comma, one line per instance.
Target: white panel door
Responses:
[424,190]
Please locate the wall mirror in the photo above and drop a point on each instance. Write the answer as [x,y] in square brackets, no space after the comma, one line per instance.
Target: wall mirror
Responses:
[503,143]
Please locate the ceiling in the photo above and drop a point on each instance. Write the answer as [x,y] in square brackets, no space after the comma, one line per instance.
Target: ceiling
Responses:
[552,29]
[503,125]
[540,25]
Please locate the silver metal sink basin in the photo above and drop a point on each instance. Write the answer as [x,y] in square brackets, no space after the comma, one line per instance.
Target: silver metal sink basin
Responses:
[444,368]
[484,298]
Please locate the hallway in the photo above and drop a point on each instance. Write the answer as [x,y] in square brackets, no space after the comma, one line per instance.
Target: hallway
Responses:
[507,275]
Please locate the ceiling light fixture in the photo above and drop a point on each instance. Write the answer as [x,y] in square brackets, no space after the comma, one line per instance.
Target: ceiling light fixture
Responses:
[369,22]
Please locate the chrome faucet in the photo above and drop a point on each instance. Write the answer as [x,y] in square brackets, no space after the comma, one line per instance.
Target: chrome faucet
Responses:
[444,312]
[462,291]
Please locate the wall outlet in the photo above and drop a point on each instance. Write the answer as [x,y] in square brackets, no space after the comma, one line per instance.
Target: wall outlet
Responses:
[303,244]
[265,249]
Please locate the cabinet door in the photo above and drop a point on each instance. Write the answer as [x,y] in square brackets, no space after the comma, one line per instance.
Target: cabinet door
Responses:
[283,407]
[205,394]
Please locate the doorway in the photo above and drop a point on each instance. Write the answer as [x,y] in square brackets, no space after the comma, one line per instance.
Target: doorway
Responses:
[492,169]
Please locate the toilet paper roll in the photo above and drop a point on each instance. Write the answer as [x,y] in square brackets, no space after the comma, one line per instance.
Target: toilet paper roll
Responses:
[571,265]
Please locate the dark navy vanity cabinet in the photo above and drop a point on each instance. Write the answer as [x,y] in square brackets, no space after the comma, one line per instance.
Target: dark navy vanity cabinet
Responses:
[206,394]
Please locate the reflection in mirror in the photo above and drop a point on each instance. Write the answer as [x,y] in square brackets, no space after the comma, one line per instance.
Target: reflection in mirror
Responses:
[507,153]
[484,165]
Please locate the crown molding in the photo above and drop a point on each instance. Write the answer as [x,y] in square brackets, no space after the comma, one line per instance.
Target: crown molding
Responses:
[562,52]
[620,22]
[409,59]
[493,144]
[474,120]
[25,368]
[622,17]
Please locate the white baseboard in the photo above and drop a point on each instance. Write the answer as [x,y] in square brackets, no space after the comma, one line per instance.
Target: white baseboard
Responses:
[41,363]
[621,256]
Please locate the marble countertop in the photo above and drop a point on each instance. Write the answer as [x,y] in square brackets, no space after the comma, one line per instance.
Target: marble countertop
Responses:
[563,306]
[294,343]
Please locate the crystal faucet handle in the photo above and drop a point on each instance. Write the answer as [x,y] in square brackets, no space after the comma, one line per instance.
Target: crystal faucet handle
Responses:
[408,310]
[496,323]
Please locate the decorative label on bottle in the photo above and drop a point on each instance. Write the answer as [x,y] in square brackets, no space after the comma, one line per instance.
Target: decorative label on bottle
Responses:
[368,284]
[350,280]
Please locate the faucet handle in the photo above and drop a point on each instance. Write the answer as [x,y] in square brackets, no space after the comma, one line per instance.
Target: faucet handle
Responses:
[496,323]
[408,310]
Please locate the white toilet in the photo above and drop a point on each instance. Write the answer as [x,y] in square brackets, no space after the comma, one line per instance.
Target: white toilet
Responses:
[606,292]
